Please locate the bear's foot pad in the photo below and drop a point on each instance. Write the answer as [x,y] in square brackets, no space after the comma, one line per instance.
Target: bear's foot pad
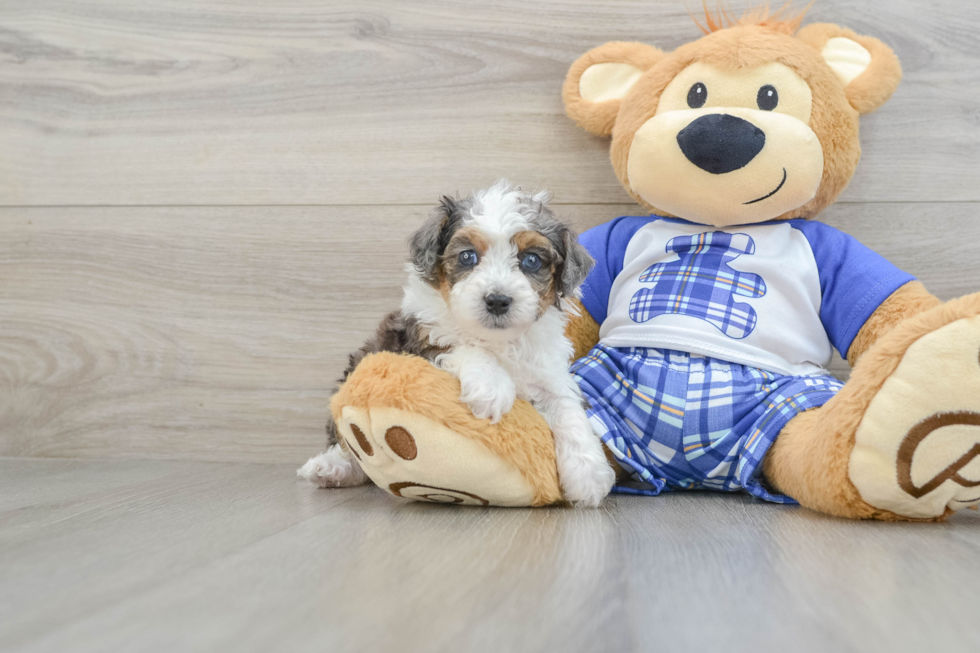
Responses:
[917,449]
[414,457]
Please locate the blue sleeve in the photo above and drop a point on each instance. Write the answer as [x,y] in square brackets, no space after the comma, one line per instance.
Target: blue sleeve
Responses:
[607,245]
[854,281]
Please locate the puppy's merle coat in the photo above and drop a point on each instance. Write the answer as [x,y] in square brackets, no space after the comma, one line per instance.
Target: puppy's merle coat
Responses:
[488,280]
[398,333]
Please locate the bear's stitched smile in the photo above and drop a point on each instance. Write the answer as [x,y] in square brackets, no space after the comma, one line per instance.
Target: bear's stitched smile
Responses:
[772,193]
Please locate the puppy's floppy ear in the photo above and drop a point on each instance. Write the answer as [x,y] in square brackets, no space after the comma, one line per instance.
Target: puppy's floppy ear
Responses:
[599,80]
[575,265]
[428,244]
[867,67]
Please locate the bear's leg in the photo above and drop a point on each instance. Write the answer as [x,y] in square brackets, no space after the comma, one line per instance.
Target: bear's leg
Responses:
[901,440]
[402,419]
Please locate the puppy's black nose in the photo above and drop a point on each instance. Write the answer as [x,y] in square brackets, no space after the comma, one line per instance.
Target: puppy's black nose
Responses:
[497,304]
[720,143]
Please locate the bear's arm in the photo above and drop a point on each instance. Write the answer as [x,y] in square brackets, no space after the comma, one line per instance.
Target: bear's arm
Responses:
[582,330]
[908,300]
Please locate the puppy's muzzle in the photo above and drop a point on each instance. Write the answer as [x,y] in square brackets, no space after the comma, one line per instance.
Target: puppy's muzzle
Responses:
[720,143]
[497,304]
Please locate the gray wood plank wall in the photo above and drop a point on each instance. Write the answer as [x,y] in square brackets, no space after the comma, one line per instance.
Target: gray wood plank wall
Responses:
[203,205]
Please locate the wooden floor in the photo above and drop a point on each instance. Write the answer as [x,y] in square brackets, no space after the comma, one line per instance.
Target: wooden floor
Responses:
[191,556]
[203,208]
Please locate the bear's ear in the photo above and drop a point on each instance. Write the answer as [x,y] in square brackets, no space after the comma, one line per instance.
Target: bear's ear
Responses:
[867,67]
[601,78]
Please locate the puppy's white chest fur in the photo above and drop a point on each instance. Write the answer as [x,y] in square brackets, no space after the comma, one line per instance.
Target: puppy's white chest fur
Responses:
[538,361]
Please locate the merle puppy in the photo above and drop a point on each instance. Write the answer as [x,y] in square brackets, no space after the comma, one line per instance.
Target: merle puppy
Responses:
[488,280]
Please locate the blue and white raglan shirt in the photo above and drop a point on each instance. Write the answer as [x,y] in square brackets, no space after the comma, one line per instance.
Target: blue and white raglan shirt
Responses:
[775,296]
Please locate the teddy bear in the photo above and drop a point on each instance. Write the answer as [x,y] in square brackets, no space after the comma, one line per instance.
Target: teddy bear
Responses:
[704,331]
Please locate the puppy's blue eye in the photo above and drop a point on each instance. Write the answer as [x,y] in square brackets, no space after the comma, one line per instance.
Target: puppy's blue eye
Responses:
[531,262]
[468,258]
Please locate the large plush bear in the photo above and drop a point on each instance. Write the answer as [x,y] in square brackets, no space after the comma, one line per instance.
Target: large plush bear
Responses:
[706,327]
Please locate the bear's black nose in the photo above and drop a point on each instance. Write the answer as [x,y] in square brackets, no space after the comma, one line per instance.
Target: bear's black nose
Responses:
[720,143]
[497,304]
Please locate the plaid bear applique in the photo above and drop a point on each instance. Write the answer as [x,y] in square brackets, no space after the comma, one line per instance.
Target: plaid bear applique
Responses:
[701,284]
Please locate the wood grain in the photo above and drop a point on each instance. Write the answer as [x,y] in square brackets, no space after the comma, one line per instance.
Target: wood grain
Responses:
[77,537]
[170,556]
[208,333]
[217,333]
[133,102]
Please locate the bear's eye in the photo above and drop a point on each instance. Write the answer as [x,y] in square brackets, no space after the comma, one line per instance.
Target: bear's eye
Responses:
[697,96]
[468,258]
[768,98]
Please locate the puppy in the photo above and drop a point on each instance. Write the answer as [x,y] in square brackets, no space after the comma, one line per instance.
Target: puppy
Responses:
[488,280]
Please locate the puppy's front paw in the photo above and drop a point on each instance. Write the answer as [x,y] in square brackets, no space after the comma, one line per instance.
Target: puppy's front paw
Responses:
[491,396]
[585,475]
[590,488]
[492,408]
[332,469]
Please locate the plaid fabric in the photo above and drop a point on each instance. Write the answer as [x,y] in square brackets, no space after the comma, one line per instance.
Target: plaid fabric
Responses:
[702,284]
[681,420]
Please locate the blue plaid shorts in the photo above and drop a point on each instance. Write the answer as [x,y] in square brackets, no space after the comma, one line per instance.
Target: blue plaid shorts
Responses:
[685,421]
